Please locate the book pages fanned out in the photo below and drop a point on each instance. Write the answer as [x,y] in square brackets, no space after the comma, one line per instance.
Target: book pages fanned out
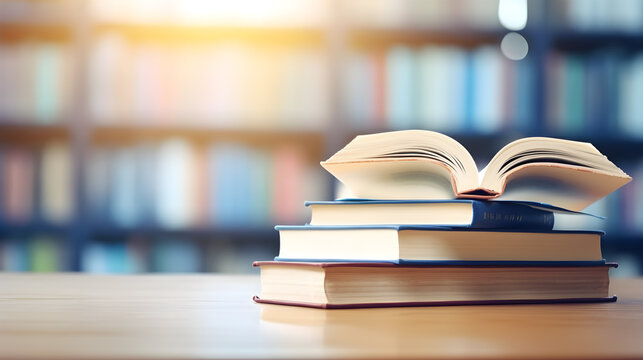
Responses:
[421,164]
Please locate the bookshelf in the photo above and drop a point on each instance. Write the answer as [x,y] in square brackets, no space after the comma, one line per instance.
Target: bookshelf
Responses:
[342,69]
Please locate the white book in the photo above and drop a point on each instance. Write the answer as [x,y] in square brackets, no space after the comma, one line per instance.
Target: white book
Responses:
[487,87]
[400,87]
[434,100]
[49,77]
[174,184]
[124,205]
[105,63]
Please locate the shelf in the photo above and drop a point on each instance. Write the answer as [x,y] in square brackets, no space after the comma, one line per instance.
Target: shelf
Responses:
[32,134]
[311,141]
[609,143]
[48,31]
[32,228]
[382,38]
[586,41]
[624,242]
[206,34]
[253,234]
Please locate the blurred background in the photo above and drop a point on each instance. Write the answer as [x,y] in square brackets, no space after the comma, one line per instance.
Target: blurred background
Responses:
[171,136]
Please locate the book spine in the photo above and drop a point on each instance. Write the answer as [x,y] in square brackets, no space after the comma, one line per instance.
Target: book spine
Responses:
[493,215]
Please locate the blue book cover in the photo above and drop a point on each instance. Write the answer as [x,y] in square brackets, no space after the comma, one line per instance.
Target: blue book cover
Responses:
[524,84]
[123,198]
[469,93]
[2,186]
[116,254]
[175,255]
[146,193]
[230,173]
[16,254]
[400,71]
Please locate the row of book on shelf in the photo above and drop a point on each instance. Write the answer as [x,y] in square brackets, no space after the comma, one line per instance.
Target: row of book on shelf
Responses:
[596,15]
[132,254]
[479,14]
[222,84]
[174,184]
[442,88]
[36,185]
[232,85]
[135,186]
[407,242]
[594,93]
[453,89]
[171,184]
[227,84]
[36,81]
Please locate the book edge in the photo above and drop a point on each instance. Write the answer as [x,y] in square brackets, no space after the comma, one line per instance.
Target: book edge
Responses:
[466,263]
[430,228]
[392,264]
[613,298]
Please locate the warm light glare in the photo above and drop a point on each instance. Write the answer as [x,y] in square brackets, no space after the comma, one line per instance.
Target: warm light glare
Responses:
[213,12]
[513,14]
[514,46]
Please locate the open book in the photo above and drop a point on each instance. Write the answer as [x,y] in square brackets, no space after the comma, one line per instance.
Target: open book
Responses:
[422,164]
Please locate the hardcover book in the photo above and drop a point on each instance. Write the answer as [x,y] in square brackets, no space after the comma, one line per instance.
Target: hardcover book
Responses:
[421,164]
[436,244]
[461,213]
[347,285]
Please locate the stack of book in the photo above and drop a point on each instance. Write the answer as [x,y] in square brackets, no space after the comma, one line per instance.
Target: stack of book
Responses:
[434,231]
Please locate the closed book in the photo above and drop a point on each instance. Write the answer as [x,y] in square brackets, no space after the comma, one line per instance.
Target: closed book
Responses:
[462,213]
[44,254]
[123,201]
[359,92]
[351,285]
[230,178]
[56,183]
[487,79]
[19,167]
[175,201]
[48,89]
[400,94]
[436,244]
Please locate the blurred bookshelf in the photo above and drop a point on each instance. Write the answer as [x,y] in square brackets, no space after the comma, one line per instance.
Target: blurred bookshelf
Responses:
[172,135]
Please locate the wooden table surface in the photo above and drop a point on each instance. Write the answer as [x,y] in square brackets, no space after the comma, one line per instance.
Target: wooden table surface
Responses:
[212,316]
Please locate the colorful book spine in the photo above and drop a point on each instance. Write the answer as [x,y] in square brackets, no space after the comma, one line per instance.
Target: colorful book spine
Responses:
[400,90]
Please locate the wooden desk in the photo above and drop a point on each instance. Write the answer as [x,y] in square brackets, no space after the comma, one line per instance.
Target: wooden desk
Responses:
[209,316]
